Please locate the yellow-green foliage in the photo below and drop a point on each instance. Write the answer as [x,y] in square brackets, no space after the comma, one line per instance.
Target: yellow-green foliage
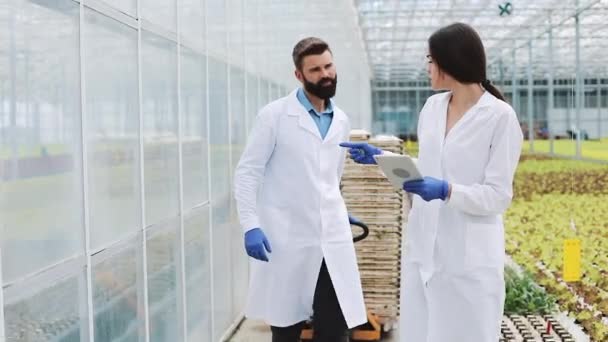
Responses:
[592,149]
[549,195]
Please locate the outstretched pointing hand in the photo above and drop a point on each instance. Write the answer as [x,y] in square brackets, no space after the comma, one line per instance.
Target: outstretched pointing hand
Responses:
[362,153]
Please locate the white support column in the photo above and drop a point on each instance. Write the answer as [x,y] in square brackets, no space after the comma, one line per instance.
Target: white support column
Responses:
[501,74]
[530,98]
[270,97]
[418,108]
[551,90]
[246,81]
[599,107]
[579,81]
[143,267]
[85,185]
[514,90]
[228,26]
[2,322]
[180,243]
[12,133]
[210,221]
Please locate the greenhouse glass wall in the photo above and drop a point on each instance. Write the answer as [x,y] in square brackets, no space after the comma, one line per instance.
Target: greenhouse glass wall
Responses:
[120,124]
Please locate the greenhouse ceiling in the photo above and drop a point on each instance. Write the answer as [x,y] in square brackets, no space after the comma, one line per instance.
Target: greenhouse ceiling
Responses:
[396,32]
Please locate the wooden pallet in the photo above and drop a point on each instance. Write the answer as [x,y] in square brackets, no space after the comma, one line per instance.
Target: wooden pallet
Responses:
[371,198]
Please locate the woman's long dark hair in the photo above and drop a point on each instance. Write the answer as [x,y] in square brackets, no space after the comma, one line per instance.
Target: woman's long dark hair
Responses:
[458,51]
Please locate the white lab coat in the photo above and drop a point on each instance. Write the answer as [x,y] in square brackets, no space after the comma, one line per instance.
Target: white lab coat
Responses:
[452,283]
[288,183]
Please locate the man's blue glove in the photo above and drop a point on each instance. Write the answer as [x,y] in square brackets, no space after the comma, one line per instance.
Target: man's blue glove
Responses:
[428,188]
[362,153]
[256,244]
[352,219]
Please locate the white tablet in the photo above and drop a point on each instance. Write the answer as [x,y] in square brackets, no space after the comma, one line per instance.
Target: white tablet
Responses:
[398,168]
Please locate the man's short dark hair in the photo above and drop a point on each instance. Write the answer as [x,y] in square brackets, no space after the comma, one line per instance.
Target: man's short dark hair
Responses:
[306,47]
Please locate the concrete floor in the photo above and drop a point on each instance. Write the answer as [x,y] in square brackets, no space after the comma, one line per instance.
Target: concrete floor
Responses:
[254,331]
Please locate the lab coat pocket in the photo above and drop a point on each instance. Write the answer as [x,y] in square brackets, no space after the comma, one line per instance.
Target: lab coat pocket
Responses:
[484,244]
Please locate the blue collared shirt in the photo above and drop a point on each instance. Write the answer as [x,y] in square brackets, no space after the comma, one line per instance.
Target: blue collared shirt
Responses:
[323,119]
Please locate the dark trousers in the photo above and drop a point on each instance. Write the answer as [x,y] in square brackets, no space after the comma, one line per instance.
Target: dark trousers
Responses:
[328,321]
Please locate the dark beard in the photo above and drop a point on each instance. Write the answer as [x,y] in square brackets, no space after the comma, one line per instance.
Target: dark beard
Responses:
[324,92]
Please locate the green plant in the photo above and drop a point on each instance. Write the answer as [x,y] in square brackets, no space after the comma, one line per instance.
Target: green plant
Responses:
[525,297]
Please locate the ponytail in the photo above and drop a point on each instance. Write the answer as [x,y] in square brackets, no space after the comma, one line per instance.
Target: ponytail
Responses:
[487,85]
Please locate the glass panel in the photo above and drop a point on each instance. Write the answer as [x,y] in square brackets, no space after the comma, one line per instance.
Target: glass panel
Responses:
[220,194]
[216,27]
[162,291]
[276,93]
[239,97]
[192,21]
[52,314]
[194,128]
[159,81]
[112,108]
[126,6]
[115,298]
[562,124]
[264,93]
[40,156]
[253,102]
[240,265]
[235,23]
[251,36]
[160,12]
[237,108]
[198,274]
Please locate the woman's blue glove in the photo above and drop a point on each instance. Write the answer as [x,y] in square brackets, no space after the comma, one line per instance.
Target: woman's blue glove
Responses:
[428,188]
[362,153]
[256,244]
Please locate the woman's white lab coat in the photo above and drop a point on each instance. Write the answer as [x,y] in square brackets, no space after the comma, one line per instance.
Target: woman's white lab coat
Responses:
[452,282]
[288,183]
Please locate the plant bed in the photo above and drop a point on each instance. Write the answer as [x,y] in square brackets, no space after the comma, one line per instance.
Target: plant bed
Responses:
[552,197]
[533,328]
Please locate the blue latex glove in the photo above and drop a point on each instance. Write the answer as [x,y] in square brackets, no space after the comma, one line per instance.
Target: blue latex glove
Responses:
[256,244]
[428,188]
[362,153]
[352,219]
